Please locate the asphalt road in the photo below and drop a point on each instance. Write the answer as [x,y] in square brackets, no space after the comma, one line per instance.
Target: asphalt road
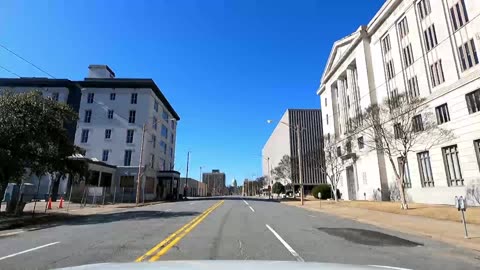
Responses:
[223,229]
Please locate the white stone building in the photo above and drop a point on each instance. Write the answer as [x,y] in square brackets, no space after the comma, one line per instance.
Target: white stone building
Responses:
[113,113]
[426,48]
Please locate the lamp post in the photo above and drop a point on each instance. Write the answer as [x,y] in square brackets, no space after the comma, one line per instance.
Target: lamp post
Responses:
[186,175]
[140,163]
[299,153]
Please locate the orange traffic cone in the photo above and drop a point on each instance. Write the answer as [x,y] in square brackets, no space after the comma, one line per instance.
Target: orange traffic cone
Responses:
[61,202]
[49,205]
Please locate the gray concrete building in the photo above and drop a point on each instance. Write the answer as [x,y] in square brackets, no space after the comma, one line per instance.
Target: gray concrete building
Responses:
[215,182]
[284,141]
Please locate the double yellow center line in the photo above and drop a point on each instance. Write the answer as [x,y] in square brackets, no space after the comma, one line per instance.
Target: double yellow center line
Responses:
[161,248]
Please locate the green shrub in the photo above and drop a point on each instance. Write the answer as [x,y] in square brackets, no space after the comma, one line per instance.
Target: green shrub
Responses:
[278,188]
[325,189]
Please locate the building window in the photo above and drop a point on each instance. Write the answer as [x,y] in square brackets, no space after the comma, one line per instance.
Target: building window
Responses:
[459,14]
[403,27]
[163,147]
[397,131]
[113,96]
[473,101]
[468,55]
[55,96]
[442,114]
[152,160]
[386,44]
[154,123]
[105,155]
[327,118]
[172,139]
[88,116]
[430,36]
[90,97]
[172,125]
[84,138]
[133,98]
[417,123]
[325,102]
[328,137]
[165,115]
[408,55]
[403,168]
[110,114]
[424,8]
[452,165]
[413,90]
[130,133]
[348,147]
[425,168]
[164,131]
[390,70]
[436,72]
[154,141]
[477,151]
[127,158]
[360,142]
[171,152]
[108,133]
[131,116]
[155,106]
[339,151]
[394,99]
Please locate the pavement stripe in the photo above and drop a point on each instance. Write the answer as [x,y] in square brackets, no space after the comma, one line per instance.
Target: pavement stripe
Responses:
[287,246]
[169,238]
[28,250]
[245,202]
[178,238]
[251,209]
[11,233]
[390,267]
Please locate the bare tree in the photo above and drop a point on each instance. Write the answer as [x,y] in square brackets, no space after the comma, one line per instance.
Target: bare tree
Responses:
[400,125]
[473,192]
[283,171]
[334,167]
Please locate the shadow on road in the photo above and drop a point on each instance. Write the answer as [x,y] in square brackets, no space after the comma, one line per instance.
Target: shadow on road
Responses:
[54,220]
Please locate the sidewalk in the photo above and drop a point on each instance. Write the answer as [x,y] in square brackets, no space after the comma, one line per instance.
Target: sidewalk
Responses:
[442,230]
[57,214]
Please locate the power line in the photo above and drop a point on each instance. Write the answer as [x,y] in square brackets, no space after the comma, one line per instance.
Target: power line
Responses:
[9,71]
[386,81]
[37,67]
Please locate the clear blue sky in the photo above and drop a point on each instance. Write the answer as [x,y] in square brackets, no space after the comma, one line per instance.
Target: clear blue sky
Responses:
[225,66]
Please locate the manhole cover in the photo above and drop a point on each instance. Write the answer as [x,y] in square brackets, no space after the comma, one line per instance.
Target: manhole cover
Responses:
[368,237]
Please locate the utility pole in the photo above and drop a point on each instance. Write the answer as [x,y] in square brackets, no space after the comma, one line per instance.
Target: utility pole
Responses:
[299,153]
[137,199]
[186,174]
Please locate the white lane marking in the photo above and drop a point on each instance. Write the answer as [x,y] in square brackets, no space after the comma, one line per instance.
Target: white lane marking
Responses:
[287,246]
[251,209]
[390,267]
[191,203]
[11,233]
[311,216]
[168,210]
[245,202]
[28,250]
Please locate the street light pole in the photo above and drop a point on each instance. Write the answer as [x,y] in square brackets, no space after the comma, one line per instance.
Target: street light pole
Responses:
[300,170]
[186,175]
[137,199]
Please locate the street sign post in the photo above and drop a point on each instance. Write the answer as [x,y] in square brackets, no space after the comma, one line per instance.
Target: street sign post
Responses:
[461,205]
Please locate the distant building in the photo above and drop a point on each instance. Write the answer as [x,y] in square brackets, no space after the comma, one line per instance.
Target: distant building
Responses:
[215,182]
[195,187]
[284,141]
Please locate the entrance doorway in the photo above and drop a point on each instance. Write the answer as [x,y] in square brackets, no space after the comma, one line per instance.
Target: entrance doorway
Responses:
[352,187]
